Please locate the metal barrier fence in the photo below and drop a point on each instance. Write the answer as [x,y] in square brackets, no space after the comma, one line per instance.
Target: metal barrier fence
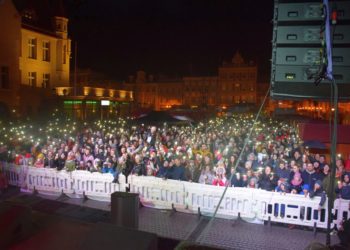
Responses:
[252,205]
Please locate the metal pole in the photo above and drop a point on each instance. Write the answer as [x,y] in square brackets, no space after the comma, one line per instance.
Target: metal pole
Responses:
[334,166]
[75,68]
[75,80]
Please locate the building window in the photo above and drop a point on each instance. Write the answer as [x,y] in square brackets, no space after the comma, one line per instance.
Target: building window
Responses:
[4,79]
[32,48]
[46,81]
[32,79]
[64,54]
[46,51]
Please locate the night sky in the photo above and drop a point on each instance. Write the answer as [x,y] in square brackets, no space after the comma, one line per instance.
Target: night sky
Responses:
[170,37]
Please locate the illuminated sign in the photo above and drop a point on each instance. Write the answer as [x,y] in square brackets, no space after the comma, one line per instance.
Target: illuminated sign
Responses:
[105,102]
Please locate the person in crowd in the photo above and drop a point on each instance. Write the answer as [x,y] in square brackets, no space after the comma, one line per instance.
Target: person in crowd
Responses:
[192,172]
[325,171]
[70,164]
[317,167]
[317,190]
[49,161]
[281,171]
[87,155]
[268,180]
[177,171]
[220,175]
[60,161]
[305,189]
[39,163]
[253,183]
[231,163]
[343,187]
[296,183]
[322,161]
[236,179]
[139,167]
[207,176]
[340,168]
[162,169]
[309,175]
[283,187]
[347,164]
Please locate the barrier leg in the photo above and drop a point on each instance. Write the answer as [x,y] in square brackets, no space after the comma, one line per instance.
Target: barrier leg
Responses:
[238,220]
[315,229]
[173,209]
[269,222]
[199,212]
[85,198]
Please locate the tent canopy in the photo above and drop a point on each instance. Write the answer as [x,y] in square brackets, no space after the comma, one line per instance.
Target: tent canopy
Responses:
[160,117]
[321,133]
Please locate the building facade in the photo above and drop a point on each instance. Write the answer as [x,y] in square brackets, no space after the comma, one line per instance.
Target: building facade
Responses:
[235,83]
[34,53]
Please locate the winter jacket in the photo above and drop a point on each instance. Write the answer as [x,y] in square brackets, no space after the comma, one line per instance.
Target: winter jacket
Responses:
[344,192]
[310,178]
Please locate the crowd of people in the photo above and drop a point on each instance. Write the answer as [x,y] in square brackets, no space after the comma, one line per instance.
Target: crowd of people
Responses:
[273,158]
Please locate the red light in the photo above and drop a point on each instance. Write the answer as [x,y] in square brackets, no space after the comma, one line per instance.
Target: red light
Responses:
[334,16]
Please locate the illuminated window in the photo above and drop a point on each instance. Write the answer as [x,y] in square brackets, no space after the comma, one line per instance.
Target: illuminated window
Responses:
[46,80]
[32,79]
[46,51]
[32,48]
[4,79]
[64,54]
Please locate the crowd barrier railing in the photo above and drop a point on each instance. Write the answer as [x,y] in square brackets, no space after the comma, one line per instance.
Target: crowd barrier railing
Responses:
[341,211]
[237,202]
[96,186]
[252,205]
[291,208]
[75,184]
[15,174]
[158,193]
[44,181]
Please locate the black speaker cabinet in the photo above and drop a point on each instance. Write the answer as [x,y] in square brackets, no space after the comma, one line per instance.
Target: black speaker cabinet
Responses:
[298,50]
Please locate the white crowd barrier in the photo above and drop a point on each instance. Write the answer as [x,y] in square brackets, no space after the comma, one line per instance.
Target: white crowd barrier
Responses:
[16,174]
[252,205]
[96,186]
[341,211]
[236,202]
[158,193]
[77,184]
[290,208]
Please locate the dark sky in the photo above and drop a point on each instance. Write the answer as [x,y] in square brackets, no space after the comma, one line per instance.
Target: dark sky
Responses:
[172,37]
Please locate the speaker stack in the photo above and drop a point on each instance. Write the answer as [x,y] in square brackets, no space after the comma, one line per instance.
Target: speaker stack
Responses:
[298,50]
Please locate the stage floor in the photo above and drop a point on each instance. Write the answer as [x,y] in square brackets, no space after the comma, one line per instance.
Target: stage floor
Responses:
[225,234]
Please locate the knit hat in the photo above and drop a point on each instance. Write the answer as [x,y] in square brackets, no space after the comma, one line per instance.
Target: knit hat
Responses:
[306,187]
